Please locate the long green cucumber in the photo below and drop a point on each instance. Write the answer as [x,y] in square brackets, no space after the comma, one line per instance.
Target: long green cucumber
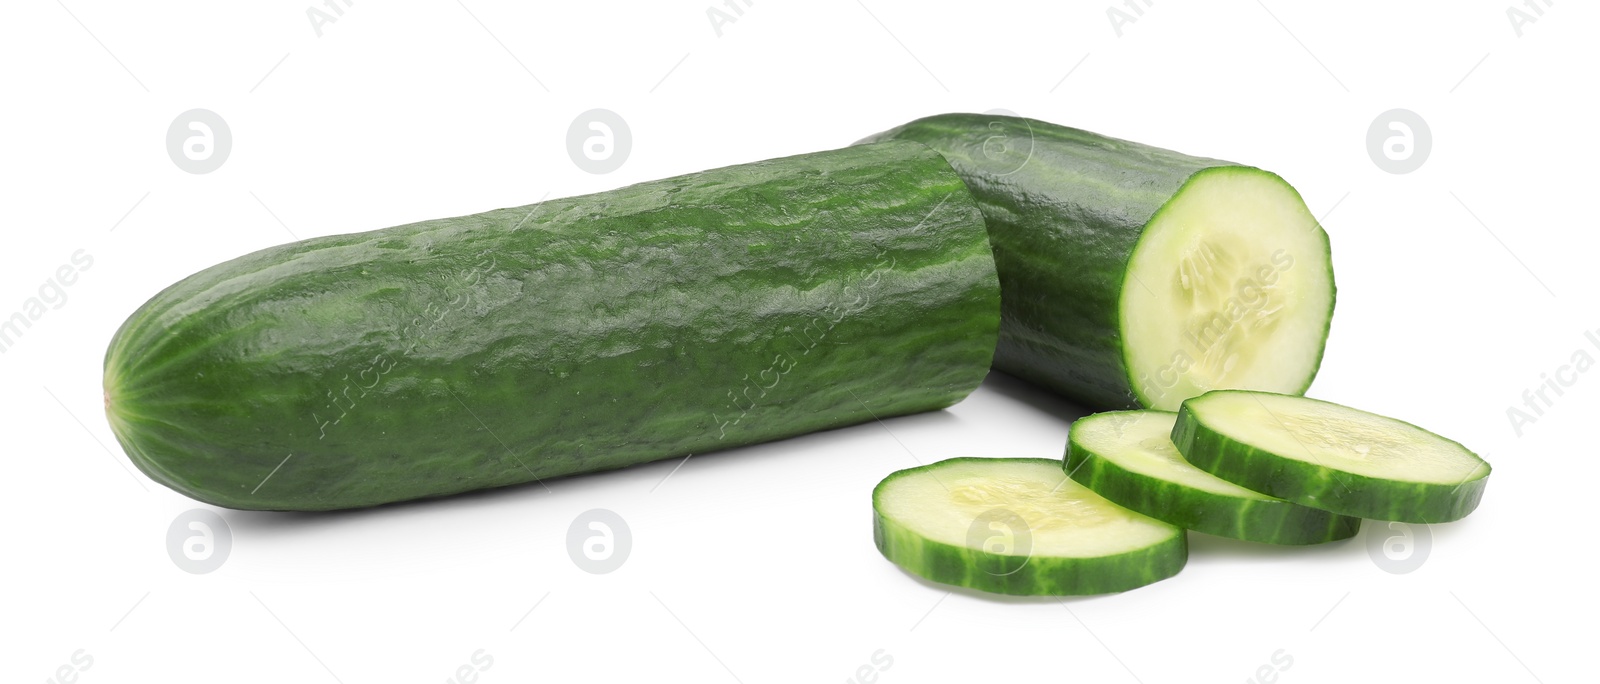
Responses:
[1328,456]
[1128,457]
[1018,526]
[1134,276]
[674,317]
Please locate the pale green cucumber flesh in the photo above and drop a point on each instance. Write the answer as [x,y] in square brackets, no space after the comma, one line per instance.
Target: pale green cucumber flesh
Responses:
[1332,457]
[1229,287]
[1018,526]
[1129,458]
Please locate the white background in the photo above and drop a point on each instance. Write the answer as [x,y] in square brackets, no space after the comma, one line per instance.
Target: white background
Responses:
[757,565]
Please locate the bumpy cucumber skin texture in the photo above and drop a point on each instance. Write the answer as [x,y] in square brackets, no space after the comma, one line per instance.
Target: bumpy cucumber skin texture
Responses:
[1065,208]
[1257,520]
[1038,576]
[680,316]
[1309,484]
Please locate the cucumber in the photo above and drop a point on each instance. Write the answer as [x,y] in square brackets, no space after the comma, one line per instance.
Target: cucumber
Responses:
[1332,457]
[1018,526]
[674,317]
[1133,276]
[1128,457]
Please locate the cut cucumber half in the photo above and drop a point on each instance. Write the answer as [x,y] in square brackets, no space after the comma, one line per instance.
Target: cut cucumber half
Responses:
[1018,526]
[1331,457]
[1128,457]
[1136,277]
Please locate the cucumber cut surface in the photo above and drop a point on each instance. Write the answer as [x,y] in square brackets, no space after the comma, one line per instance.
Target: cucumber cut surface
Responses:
[1018,526]
[1128,457]
[1217,297]
[1328,456]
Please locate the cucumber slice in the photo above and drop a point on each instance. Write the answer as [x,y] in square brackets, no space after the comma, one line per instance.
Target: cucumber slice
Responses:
[1328,456]
[1018,526]
[1128,457]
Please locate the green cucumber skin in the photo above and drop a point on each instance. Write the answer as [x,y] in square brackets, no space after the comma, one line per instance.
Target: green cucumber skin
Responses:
[1309,484]
[679,316]
[1064,208]
[1270,522]
[1050,576]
